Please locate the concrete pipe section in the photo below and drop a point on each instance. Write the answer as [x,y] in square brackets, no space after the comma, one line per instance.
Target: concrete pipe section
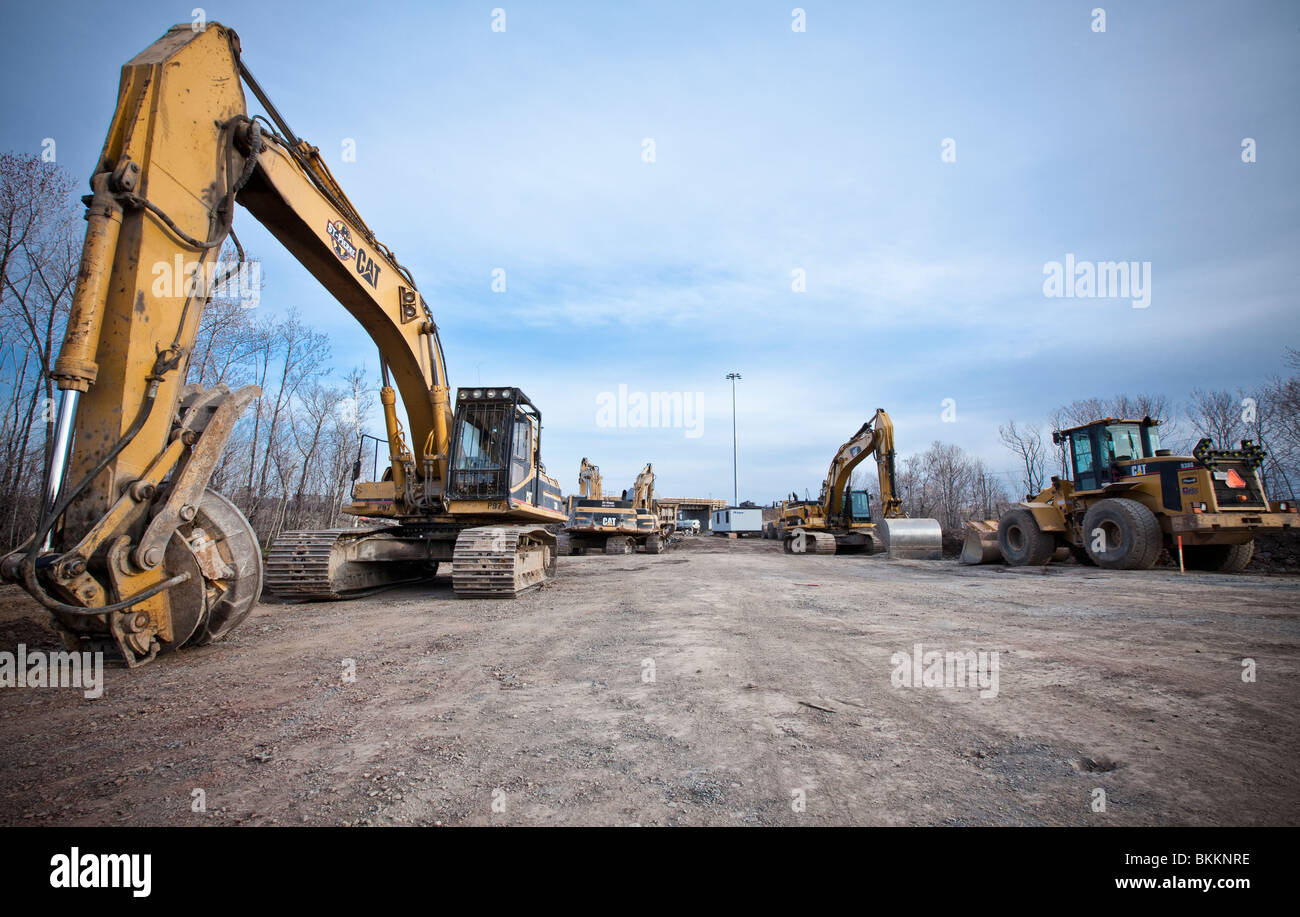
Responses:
[913,539]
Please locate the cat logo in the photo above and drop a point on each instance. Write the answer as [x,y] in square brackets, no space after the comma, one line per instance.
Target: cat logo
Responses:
[342,239]
[367,267]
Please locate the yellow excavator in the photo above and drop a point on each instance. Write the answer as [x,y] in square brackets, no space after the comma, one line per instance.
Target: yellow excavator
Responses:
[132,550]
[840,521]
[612,525]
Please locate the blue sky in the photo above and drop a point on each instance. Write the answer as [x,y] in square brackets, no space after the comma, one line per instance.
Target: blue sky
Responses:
[774,151]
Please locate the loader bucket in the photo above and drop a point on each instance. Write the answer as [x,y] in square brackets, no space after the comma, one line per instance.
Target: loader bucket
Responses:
[981,545]
[912,539]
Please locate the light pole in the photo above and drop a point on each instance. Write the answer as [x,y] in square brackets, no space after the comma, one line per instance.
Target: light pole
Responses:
[735,490]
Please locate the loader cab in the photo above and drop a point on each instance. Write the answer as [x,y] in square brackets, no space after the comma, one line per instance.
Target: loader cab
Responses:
[1102,452]
[494,444]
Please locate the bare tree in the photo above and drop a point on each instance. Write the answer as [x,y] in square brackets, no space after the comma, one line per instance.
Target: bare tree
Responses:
[300,353]
[1218,416]
[1026,442]
[227,336]
[988,497]
[39,254]
[948,477]
[309,426]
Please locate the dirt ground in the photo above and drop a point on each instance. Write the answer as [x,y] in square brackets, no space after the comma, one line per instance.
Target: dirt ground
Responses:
[723,683]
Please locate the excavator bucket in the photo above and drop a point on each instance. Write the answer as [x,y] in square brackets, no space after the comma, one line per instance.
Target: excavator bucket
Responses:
[912,539]
[981,545]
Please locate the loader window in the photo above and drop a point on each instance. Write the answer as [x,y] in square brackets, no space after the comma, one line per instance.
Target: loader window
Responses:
[1122,441]
[1085,474]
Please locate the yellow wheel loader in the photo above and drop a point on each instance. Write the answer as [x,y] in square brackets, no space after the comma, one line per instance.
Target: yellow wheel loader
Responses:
[614,526]
[839,521]
[1126,499]
[132,550]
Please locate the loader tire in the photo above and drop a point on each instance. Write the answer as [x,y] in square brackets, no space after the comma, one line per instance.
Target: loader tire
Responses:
[1132,534]
[1219,558]
[1080,555]
[1022,542]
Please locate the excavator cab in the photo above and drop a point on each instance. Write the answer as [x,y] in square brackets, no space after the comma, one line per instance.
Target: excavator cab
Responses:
[494,447]
[859,507]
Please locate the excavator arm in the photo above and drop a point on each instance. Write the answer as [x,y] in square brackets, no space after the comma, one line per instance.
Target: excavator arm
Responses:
[589,483]
[132,547]
[876,437]
[643,489]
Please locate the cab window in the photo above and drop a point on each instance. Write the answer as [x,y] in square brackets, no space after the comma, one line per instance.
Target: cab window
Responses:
[481,439]
[1085,475]
[1122,441]
[523,441]
[522,458]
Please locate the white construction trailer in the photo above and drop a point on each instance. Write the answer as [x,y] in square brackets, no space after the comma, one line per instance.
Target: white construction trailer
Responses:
[737,522]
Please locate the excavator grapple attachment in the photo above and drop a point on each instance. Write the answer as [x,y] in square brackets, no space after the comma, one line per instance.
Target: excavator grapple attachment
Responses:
[226,550]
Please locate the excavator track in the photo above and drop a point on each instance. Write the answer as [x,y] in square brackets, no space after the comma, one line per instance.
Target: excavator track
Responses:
[342,563]
[619,545]
[298,564]
[803,541]
[502,562]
